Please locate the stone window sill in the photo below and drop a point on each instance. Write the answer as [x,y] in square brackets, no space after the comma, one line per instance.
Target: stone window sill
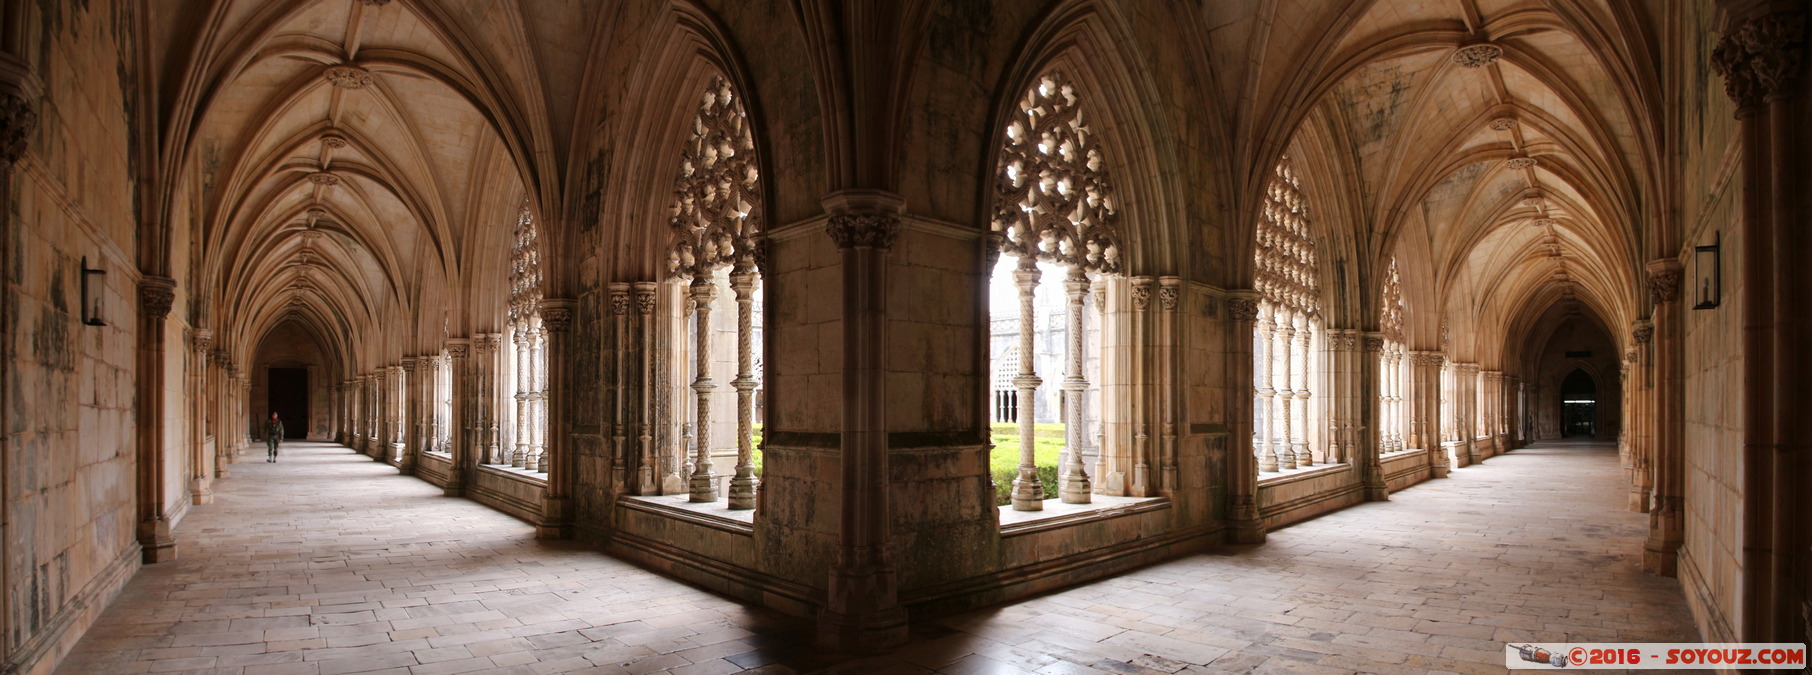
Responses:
[1057,514]
[525,475]
[714,515]
[1293,475]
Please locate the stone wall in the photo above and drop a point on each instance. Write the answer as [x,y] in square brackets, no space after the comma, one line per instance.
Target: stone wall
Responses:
[68,415]
[1710,564]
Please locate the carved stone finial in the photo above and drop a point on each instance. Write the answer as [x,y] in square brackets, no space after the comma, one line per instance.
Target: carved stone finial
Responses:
[18,119]
[1503,123]
[1477,55]
[155,295]
[557,319]
[323,178]
[1520,163]
[853,230]
[348,77]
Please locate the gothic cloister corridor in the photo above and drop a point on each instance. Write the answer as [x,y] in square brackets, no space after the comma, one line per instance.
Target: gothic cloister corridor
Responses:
[956,335]
[327,562]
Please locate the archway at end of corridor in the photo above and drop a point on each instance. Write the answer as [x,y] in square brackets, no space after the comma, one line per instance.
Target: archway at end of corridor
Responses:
[1578,405]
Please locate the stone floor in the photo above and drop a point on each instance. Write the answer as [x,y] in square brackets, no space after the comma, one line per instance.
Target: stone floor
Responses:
[330,563]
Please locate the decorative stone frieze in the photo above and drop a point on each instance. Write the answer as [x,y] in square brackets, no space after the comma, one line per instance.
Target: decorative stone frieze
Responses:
[1520,163]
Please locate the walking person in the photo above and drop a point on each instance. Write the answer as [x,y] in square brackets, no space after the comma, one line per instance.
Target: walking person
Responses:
[273,434]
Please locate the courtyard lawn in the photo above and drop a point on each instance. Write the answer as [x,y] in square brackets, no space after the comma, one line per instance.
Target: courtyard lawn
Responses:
[1047,445]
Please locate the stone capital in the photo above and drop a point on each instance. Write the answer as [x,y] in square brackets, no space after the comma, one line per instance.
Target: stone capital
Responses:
[1664,280]
[644,297]
[200,339]
[1642,331]
[870,230]
[18,119]
[863,218]
[1141,293]
[1169,289]
[155,295]
[1242,307]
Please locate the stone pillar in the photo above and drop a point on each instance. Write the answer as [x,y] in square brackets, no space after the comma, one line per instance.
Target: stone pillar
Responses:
[1168,378]
[396,391]
[1074,484]
[1667,517]
[862,608]
[489,396]
[1283,359]
[201,474]
[1428,397]
[1265,435]
[1140,349]
[742,281]
[518,349]
[214,402]
[410,412]
[701,487]
[1371,468]
[156,294]
[1299,404]
[462,428]
[558,457]
[1243,522]
[1642,392]
[663,469]
[1028,489]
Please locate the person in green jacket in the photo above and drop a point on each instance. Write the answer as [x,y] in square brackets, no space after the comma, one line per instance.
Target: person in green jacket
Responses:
[273,434]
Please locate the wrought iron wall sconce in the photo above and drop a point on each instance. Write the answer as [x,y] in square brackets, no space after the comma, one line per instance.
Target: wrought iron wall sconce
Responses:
[94,289]
[1707,275]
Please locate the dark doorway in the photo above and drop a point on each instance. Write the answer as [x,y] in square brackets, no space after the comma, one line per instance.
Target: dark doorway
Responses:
[289,399]
[1578,405]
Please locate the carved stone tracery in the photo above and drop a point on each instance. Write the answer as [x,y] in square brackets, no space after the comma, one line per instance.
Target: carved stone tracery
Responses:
[715,218]
[1053,201]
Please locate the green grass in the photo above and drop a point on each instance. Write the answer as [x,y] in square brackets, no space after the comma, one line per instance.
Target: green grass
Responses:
[1047,445]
